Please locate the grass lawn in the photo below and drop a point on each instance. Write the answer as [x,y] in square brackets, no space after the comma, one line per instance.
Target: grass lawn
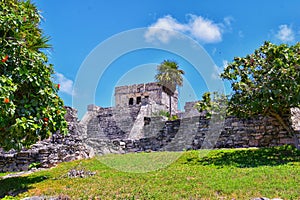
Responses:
[3,174]
[222,174]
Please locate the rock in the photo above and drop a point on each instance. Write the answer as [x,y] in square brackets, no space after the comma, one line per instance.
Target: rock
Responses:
[69,158]
[73,173]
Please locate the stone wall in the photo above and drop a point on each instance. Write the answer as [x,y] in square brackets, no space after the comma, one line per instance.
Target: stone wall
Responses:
[197,133]
[110,123]
[101,131]
[156,142]
[140,131]
[49,152]
[295,118]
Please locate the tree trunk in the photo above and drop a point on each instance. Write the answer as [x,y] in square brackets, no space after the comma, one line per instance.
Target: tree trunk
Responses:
[285,125]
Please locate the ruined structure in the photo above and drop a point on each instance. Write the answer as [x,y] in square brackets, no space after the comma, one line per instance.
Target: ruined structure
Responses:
[134,126]
[49,152]
[142,94]
[126,120]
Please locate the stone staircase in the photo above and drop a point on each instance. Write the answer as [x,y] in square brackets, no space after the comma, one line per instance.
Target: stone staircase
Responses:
[183,139]
[137,128]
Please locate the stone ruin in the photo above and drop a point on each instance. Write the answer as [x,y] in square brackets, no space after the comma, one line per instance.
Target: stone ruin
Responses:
[126,120]
[134,125]
[49,152]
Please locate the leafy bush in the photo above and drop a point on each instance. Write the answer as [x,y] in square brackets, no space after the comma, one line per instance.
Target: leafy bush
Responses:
[34,165]
[30,108]
[266,82]
[213,104]
[164,113]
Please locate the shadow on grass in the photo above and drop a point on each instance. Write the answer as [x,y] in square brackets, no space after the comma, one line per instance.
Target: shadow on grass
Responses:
[273,156]
[16,185]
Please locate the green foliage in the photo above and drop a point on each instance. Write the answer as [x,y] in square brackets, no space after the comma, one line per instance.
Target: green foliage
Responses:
[29,106]
[173,117]
[169,76]
[266,82]
[213,104]
[163,113]
[34,165]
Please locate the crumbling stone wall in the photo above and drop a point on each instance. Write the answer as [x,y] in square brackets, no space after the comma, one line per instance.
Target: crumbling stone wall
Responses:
[105,130]
[110,123]
[156,142]
[197,132]
[295,118]
[49,152]
[192,131]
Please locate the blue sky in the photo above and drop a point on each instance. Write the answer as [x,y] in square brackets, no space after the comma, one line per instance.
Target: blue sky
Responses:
[224,29]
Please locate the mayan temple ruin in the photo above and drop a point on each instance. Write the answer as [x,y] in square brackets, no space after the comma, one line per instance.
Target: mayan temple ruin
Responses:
[133,104]
[135,125]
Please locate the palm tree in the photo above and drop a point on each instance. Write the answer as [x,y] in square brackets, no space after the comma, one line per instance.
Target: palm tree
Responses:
[169,76]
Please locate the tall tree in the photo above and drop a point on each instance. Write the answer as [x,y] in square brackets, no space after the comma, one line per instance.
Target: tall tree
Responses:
[169,76]
[266,82]
[30,108]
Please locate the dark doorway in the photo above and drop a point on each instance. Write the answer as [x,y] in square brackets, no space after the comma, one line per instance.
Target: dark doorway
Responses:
[131,101]
[138,100]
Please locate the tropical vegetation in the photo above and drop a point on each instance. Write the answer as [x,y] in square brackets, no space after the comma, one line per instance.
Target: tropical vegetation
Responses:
[266,82]
[169,76]
[30,109]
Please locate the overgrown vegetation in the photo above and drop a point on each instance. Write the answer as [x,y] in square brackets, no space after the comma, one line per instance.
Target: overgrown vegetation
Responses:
[163,113]
[169,76]
[221,174]
[34,165]
[266,82]
[213,104]
[30,108]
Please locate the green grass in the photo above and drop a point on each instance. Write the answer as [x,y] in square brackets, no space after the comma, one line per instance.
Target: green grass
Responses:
[222,174]
[3,174]
[6,173]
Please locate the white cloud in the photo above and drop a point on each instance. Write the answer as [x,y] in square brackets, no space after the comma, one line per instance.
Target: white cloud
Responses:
[285,33]
[164,29]
[205,30]
[66,85]
[201,29]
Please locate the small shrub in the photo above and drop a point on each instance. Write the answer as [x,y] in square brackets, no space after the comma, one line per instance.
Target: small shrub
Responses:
[34,165]
[164,113]
[174,117]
